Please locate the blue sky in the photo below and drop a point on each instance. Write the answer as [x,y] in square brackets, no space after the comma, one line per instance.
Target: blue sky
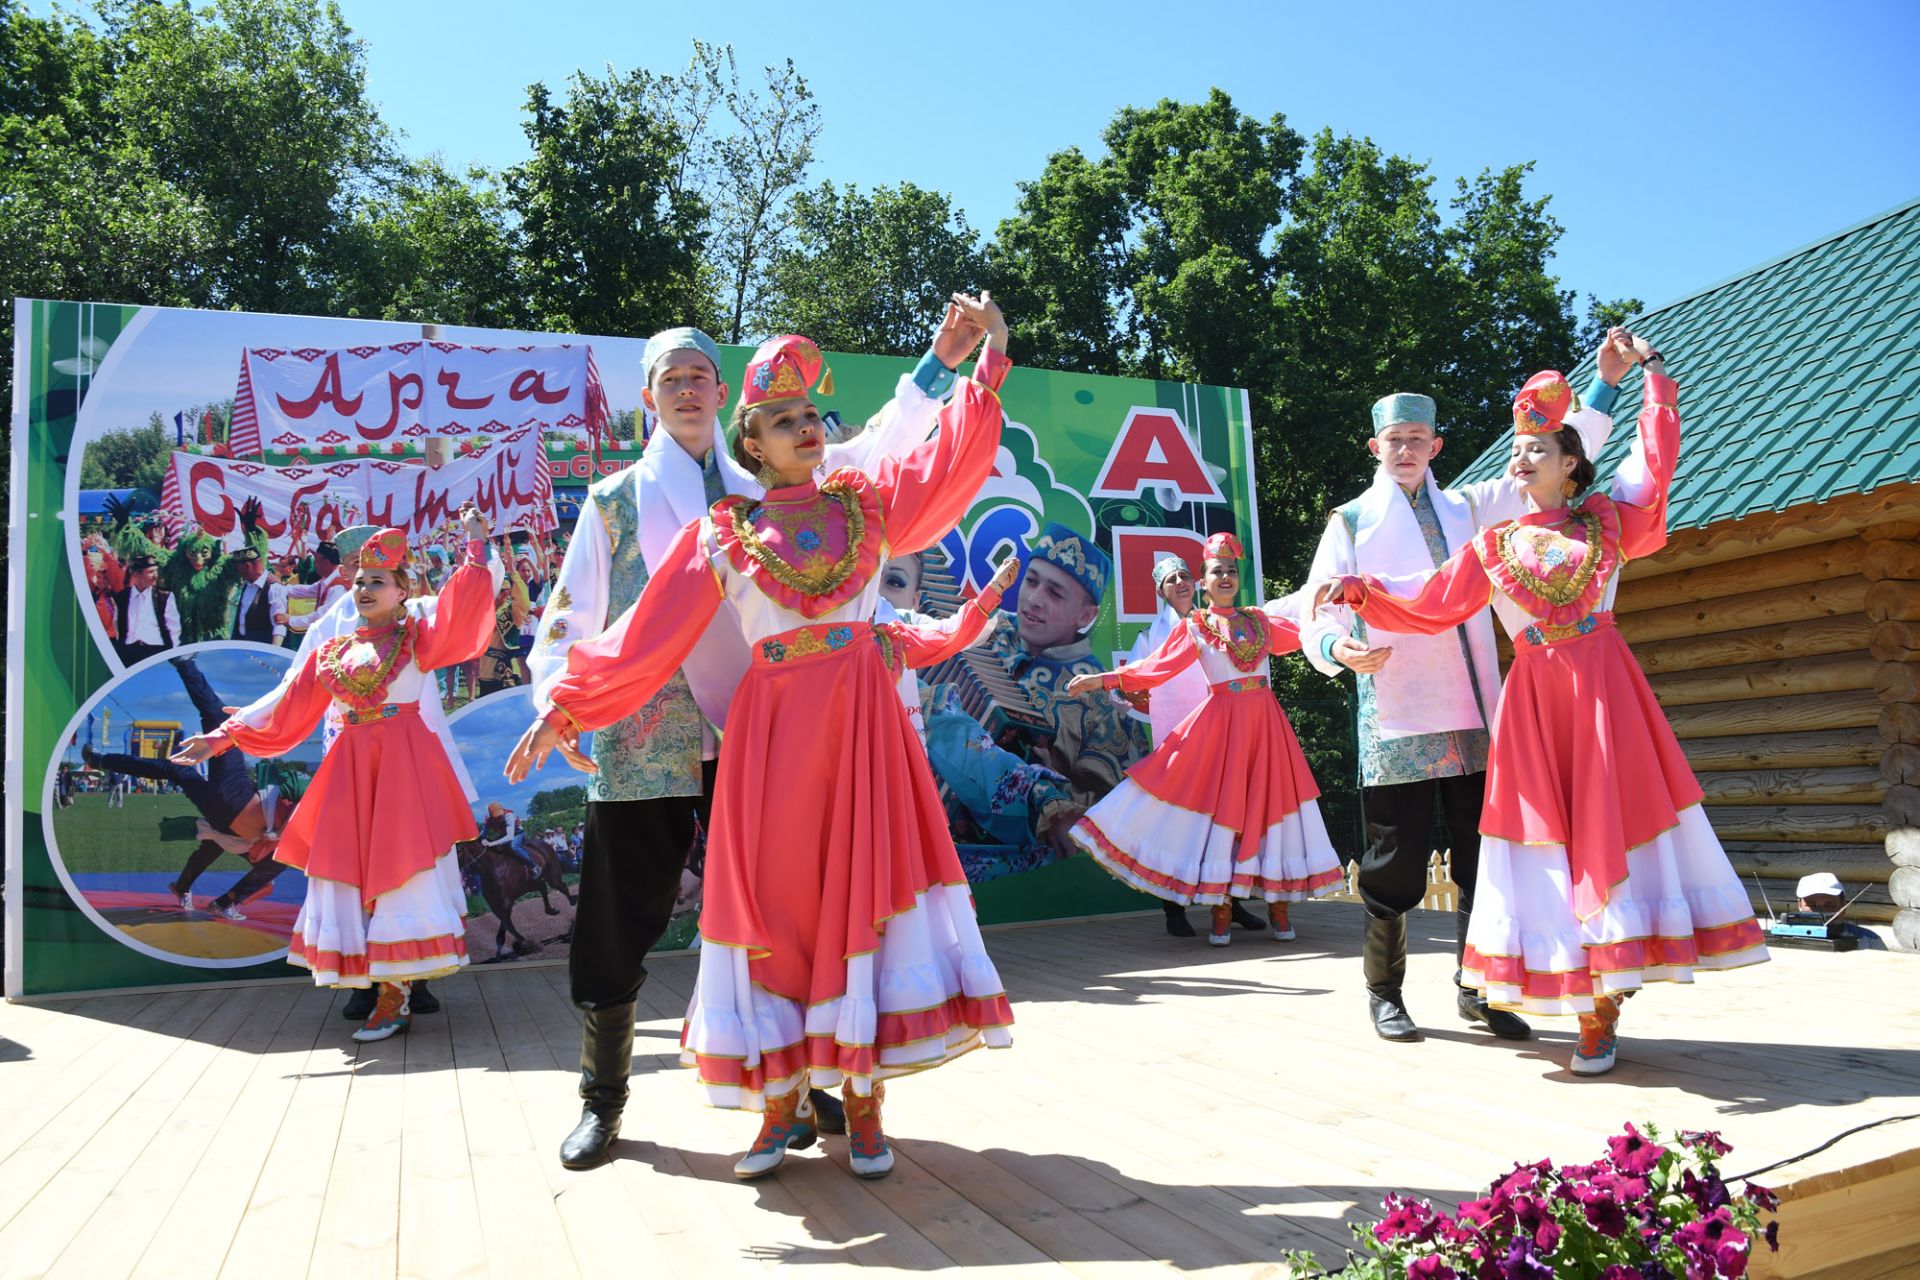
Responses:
[238,673]
[487,733]
[1681,144]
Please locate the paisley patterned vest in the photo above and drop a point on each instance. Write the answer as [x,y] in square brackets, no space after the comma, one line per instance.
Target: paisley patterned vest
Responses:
[655,752]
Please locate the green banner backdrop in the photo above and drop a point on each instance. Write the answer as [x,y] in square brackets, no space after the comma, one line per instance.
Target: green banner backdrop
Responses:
[110,879]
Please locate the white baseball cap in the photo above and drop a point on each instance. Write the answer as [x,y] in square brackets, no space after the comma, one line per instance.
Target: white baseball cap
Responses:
[1817,883]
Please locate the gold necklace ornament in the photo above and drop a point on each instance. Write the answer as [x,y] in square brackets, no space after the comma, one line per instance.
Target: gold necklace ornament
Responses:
[1244,651]
[1565,592]
[809,581]
[362,687]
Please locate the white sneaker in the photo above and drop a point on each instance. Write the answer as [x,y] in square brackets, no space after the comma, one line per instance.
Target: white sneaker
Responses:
[186,902]
[228,912]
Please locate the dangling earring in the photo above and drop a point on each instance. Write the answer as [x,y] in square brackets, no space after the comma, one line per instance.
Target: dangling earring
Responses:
[767,476]
[1568,488]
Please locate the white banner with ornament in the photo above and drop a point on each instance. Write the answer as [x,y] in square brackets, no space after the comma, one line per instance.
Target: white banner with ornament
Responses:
[371,399]
[508,479]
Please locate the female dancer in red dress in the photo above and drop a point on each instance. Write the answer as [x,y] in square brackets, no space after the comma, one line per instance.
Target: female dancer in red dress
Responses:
[1225,807]
[376,829]
[1598,869]
[839,945]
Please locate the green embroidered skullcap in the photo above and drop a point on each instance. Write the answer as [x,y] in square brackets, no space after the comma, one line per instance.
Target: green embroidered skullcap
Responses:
[685,338]
[1403,406]
[349,541]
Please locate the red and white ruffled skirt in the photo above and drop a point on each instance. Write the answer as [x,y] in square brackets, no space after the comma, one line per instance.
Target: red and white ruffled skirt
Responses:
[1225,807]
[1599,871]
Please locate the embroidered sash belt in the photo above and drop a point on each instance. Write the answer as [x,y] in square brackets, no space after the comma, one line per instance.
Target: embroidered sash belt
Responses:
[1542,634]
[350,718]
[1241,684]
[810,641]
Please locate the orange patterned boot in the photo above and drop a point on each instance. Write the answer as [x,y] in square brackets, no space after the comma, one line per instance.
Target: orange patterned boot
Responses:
[782,1125]
[391,1014]
[1277,919]
[1221,932]
[1594,1055]
[867,1147]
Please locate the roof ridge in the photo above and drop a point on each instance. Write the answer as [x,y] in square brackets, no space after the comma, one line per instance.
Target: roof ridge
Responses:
[1904,206]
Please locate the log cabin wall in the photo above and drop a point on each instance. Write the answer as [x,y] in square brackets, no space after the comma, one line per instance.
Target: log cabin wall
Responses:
[1785,648]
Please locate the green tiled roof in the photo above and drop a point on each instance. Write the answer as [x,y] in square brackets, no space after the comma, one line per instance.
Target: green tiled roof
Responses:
[1799,379]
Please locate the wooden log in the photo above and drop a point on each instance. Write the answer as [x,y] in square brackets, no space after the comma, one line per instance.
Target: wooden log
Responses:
[1711,648]
[1904,887]
[1899,722]
[1892,601]
[1847,710]
[1821,562]
[1799,823]
[1897,681]
[1900,763]
[1851,862]
[1856,784]
[1906,929]
[1903,846]
[1826,599]
[1828,747]
[1830,673]
[1901,805]
[1893,641]
[1891,559]
[1762,532]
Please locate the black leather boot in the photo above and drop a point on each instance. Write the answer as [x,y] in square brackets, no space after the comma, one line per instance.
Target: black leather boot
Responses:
[359,1005]
[423,1000]
[829,1113]
[1472,1005]
[606,1059]
[1177,923]
[1246,919]
[1384,958]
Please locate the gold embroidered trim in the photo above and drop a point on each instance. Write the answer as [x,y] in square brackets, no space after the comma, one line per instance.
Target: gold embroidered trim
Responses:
[814,581]
[1244,654]
[1561,594]
[365,686]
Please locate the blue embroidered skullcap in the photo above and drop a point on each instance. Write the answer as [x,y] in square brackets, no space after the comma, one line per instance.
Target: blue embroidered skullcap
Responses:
[685,338]
[1076,555]
[1165,567]
[1403,406]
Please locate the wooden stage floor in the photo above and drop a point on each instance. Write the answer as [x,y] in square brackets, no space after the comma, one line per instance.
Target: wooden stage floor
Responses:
[1165,1105]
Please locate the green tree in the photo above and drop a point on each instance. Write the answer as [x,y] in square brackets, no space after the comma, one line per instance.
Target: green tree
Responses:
[870,271]
[434,246]
[608,245]
[129,459]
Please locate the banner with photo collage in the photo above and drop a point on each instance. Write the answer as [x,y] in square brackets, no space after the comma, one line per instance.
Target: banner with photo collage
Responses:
[137,611]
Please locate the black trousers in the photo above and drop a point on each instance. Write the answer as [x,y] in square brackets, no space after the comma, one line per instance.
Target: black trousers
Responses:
[632,854]
[1393,870]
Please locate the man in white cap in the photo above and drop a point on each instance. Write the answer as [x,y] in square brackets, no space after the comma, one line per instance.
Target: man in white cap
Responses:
[1822,894]
[1426,702]
[655,769]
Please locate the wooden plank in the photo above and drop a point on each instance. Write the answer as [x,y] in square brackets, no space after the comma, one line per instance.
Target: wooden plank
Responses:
[276,1236]
[53,1219]
[440,1233]
[1820,562]
[1857,784]
[1852,863]
[1822,748]
[1854,1222]
[217,1196]
[1801,714]
[1798,823]
[65,1055]
[1769,531]
[1772,607]
[1825,674]
[1711,647]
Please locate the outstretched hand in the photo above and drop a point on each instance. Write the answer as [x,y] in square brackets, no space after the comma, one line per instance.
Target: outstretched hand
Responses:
[473,522]
[200,746]
[540,741]
[250,514]
[1085,682]
[1003,578]
[958,335]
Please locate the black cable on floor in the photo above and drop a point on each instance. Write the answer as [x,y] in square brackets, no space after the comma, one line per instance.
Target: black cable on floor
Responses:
[1814,1151]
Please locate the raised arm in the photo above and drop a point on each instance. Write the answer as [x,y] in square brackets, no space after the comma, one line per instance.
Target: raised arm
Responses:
[612,675]
[924,645]
[925,493]
[907,418]
[1175,654]
[1457,591]
[577,610]
[1645,478]
[460,623]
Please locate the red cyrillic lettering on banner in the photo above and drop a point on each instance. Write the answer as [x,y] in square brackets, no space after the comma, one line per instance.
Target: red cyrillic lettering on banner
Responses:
[328,392]
[1153,449]
[397,384]
[533,382]
[450,379]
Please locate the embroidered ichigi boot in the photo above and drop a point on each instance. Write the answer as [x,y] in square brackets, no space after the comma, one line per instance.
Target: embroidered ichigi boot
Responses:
[867,1149]
[1599,1038]
[606,1060]
[391,1014]
[1278,921]
[787,1122]
[1221,931]
[1383,957]
[1472,1005]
